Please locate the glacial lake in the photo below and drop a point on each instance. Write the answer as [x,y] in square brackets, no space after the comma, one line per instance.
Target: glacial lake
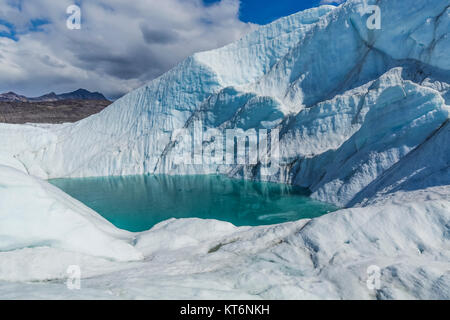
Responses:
[137,203]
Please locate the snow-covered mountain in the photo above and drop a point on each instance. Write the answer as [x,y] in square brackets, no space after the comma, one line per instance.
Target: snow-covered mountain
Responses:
[363,116]
[12,97]
[80,94]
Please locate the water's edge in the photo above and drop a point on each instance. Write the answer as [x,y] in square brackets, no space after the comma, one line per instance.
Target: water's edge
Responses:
[137,203]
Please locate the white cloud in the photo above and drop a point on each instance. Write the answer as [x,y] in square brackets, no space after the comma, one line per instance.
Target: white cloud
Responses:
[4,28]
[121,44]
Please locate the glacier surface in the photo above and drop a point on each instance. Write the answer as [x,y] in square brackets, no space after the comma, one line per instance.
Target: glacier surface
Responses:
[406,236]
[363,117]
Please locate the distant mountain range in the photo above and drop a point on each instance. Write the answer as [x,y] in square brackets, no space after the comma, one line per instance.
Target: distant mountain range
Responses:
[80,94]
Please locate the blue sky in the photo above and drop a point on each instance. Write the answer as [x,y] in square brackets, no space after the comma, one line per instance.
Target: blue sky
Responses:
[266,11]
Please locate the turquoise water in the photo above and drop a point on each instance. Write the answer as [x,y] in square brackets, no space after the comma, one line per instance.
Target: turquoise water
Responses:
[136,203]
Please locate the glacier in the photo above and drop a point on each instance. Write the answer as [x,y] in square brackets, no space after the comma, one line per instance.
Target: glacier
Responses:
[364,124]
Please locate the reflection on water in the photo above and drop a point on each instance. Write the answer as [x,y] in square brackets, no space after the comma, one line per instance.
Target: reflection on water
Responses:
[137,203]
